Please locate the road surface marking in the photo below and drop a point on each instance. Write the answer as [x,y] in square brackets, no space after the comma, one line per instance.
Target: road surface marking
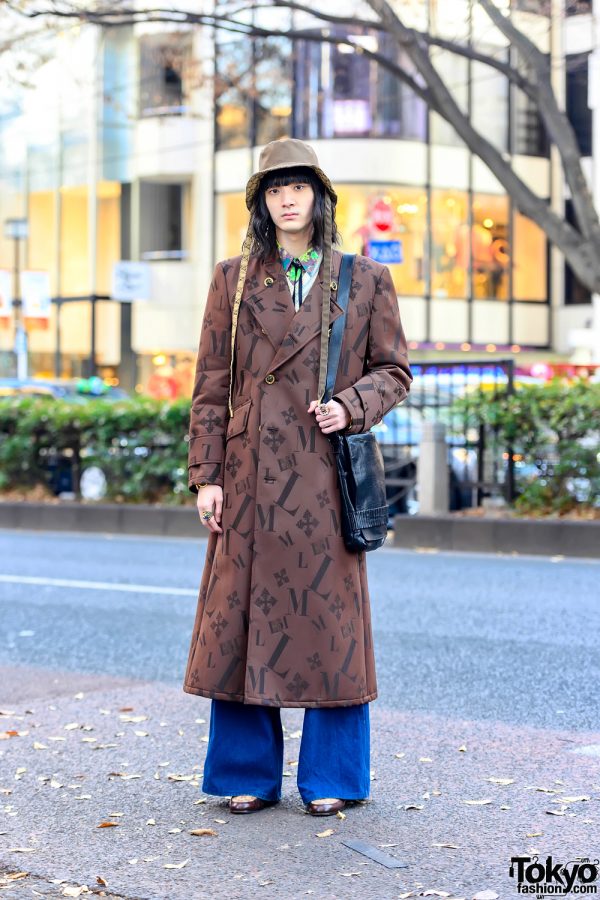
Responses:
[98,585]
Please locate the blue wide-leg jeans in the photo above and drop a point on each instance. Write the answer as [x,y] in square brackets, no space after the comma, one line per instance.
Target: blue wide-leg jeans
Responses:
[245,752]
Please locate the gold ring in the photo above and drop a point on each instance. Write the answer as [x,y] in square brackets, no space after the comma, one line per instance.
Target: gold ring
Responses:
[324,409]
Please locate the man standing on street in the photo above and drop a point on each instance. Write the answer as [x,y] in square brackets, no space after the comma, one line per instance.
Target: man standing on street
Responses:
[283,616]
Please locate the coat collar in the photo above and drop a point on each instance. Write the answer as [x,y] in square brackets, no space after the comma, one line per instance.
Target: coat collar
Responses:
[268,298]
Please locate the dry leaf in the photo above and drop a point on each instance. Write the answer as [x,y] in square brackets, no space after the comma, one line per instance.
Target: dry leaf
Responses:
[326,833]
[151,822]
[38,746]
[462,749]
[15,876]
[133,719]
[535,834]
[76,891]
[174,831]
[501,780]
[126,776]
[83,797]
[404,896]
[399,755]
[436,893]
[72,726]
[221,821]
[350,874]
[555,812]
[108,825]
[141,733]
[571,799]
[263,883]
[485,895]
[176,865]
[414,806]
[199,832]
[448,846]
[21,850]
[340,814]
[425,759]
[100,880]
[477,802]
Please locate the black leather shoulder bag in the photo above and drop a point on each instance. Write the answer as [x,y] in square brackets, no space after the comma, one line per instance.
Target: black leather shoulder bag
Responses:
[358,457]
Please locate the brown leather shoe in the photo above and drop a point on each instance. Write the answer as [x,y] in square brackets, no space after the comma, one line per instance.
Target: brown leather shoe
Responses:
[247,803]
[328,806]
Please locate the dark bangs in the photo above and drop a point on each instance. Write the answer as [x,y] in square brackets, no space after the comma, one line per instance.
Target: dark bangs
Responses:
[261,225]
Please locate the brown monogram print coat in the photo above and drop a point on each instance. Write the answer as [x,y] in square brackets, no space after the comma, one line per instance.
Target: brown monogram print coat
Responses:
[283,616]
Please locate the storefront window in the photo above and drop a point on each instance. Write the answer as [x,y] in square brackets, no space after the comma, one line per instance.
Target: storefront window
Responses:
[388,224]
[74,251]
[450,244]
[490,247]
[530,280]
[108,241]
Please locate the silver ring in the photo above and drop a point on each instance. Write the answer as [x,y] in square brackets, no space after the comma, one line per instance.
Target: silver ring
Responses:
[323,409]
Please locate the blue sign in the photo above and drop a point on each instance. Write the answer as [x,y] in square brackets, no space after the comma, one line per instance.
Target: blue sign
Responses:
[386,252]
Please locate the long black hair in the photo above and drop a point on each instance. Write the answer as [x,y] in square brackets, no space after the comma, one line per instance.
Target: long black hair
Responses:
[264,243]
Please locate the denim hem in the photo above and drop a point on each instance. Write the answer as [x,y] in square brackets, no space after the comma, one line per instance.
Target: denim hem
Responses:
[234,793]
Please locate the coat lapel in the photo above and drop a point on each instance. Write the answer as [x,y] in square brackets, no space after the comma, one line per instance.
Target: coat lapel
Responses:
[270,302]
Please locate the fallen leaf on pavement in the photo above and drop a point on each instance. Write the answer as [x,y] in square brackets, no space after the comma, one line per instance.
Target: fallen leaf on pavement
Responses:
[200,832]
[108,825]
[100,880]
[326,833]
[76,891]
[462,749]
[340,814]
[72,726]
[555,812]
[21,850]
[501,780]
[448,846]
[571,799]
[425,759]
[437,893]
[414,806]
[176,865]
[125,775]
[477,802]
[350,874]
[485,895]
[535,834]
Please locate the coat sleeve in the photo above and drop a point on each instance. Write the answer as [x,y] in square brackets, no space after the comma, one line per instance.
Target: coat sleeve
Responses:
[387,377]
[209,413]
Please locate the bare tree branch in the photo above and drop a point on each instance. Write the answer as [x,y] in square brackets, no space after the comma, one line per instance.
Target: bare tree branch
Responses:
[558,126]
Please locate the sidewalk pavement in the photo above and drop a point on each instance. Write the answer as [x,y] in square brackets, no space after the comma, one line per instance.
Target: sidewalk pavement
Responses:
[80,751]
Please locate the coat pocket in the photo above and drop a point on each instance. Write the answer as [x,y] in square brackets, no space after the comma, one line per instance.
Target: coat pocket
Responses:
[239,420]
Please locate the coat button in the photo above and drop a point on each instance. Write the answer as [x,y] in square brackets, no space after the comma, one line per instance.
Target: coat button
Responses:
[270,379]
[268,282]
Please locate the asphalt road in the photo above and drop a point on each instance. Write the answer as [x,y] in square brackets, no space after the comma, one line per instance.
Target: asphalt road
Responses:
[481,637]
[486,722]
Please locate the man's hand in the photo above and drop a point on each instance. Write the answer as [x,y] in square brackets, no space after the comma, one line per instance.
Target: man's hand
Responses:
[337,418]
[211,497]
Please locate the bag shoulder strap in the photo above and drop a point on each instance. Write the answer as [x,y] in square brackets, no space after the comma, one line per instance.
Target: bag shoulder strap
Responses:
[337,329]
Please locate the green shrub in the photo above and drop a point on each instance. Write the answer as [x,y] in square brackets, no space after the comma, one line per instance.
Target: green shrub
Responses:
[555,429]
[140,445]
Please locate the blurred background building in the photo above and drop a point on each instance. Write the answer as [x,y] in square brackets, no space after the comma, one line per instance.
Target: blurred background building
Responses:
[135,144]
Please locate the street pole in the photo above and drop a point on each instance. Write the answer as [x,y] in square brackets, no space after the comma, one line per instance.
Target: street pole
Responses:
[16,230]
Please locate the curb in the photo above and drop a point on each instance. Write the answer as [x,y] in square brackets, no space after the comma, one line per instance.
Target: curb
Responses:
[556,537]
[115,518]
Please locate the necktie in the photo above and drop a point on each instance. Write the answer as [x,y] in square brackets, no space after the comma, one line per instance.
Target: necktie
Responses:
[296,273]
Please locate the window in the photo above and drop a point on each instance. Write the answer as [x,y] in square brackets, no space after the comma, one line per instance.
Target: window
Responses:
[489,97]
[578,110]
[388,224]
[162,220]
[490,250]
[575,291]
[340,92]
[576,7]
[233,82]
[273,90]
[163,60]
[449,248]
[530,260]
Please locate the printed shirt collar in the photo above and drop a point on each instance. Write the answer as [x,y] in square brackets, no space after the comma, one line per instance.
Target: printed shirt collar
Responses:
[311,260]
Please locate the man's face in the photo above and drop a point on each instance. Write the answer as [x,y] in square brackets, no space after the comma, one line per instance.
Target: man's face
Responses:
[291,206]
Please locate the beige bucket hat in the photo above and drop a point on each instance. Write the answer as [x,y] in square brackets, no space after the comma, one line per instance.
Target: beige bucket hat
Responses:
[288,153]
